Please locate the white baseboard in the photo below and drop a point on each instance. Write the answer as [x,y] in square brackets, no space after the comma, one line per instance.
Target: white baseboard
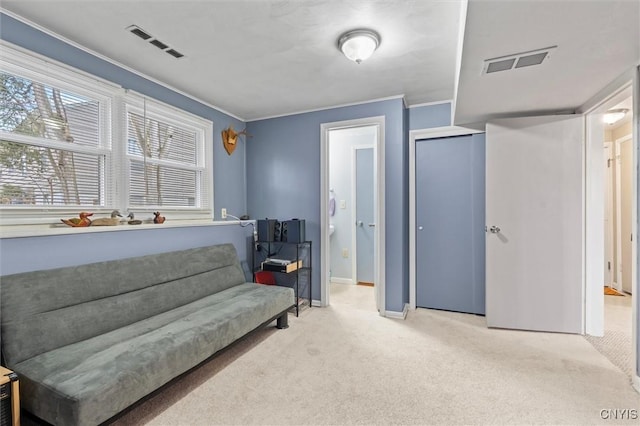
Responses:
[316,303]
[398,315]
[338,280]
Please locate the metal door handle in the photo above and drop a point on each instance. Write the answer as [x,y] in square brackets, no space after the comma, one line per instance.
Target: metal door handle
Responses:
[359,223]
[372,225]
[494,229]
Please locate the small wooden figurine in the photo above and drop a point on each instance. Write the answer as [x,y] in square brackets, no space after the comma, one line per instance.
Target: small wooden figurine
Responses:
[108,221]
[158,218]
[132,220]
[83,220]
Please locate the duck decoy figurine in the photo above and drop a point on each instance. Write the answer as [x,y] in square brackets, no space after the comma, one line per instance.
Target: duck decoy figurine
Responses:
[107,221]
[158,218]
[81,221]
[132,220]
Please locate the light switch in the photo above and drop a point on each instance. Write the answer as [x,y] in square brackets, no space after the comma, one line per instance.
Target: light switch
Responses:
[345,252]
[343,204]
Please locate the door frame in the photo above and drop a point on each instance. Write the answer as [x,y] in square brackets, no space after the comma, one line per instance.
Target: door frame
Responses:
[379,206]
[609,211]
[594,109]
[354,203]
[618,157]
[415,135]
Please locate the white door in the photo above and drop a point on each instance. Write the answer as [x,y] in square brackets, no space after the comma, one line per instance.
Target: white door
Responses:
[534,216]
[625,188]
[609,265]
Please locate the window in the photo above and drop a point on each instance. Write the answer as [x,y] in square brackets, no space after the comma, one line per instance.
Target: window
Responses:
[70,142]
[166,158]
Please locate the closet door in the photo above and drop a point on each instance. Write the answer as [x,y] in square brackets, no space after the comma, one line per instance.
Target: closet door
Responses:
[450,237]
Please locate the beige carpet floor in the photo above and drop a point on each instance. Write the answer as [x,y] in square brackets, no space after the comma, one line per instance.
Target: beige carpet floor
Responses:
[347,365]
[616,344]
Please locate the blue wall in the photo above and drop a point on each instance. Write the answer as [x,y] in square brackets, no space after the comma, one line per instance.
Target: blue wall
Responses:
[428,116]
[283,177]
[37,253]
[229,175]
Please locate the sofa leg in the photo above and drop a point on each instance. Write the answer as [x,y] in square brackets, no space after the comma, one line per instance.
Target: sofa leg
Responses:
[283,321]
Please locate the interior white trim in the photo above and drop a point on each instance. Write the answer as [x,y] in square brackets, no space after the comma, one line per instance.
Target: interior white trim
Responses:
[608,213]
[388,98]
[379,166]
[456,82]
[414,135]
[424,104]
[24,231]
[593,234]
[399,315]
[339,280]
[618,189]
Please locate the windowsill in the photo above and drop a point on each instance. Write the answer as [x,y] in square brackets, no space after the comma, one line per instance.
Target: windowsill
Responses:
[23,231]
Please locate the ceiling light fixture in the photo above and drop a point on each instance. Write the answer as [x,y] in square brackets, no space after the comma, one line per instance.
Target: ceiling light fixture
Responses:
[614,115]
[358,45]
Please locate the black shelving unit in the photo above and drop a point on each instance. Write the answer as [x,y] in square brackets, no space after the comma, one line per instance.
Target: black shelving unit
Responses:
[293,278]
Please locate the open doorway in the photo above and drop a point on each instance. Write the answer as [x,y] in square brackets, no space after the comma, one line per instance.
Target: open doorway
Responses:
[614,339]
[617,342]
[352,213]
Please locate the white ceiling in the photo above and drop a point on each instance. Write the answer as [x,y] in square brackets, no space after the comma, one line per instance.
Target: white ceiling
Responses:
[597,42]
[263,58]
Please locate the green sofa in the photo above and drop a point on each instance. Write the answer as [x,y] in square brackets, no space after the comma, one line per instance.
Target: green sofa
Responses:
[89,341]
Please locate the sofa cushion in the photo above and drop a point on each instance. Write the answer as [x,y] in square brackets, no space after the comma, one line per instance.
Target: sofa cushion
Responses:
[88,382]
[72,304]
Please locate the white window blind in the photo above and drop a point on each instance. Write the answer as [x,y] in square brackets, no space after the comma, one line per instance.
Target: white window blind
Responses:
[51,147]
[166,157]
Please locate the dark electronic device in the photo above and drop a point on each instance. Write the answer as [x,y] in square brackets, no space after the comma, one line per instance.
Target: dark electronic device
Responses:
[266,230]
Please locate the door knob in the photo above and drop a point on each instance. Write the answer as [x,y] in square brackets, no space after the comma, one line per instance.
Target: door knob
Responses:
[494,229]
[359,223]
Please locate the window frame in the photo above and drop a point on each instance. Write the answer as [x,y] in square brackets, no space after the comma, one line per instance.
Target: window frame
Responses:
[112,144]
[138,103]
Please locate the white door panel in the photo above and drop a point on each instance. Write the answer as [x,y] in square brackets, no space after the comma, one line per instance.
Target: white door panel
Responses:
[534,194]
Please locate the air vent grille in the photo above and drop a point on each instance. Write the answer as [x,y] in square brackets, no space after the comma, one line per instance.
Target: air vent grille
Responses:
[500,65]
[517,60]
[175,53]
[158,44]
[136,30]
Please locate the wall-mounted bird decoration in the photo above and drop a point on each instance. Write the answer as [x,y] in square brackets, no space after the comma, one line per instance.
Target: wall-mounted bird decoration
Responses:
[230,138]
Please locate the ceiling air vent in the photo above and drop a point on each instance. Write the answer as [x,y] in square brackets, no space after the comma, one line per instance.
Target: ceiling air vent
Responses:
[175,53]
[136,30]
[157,43]
[517,60]
[139,32]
